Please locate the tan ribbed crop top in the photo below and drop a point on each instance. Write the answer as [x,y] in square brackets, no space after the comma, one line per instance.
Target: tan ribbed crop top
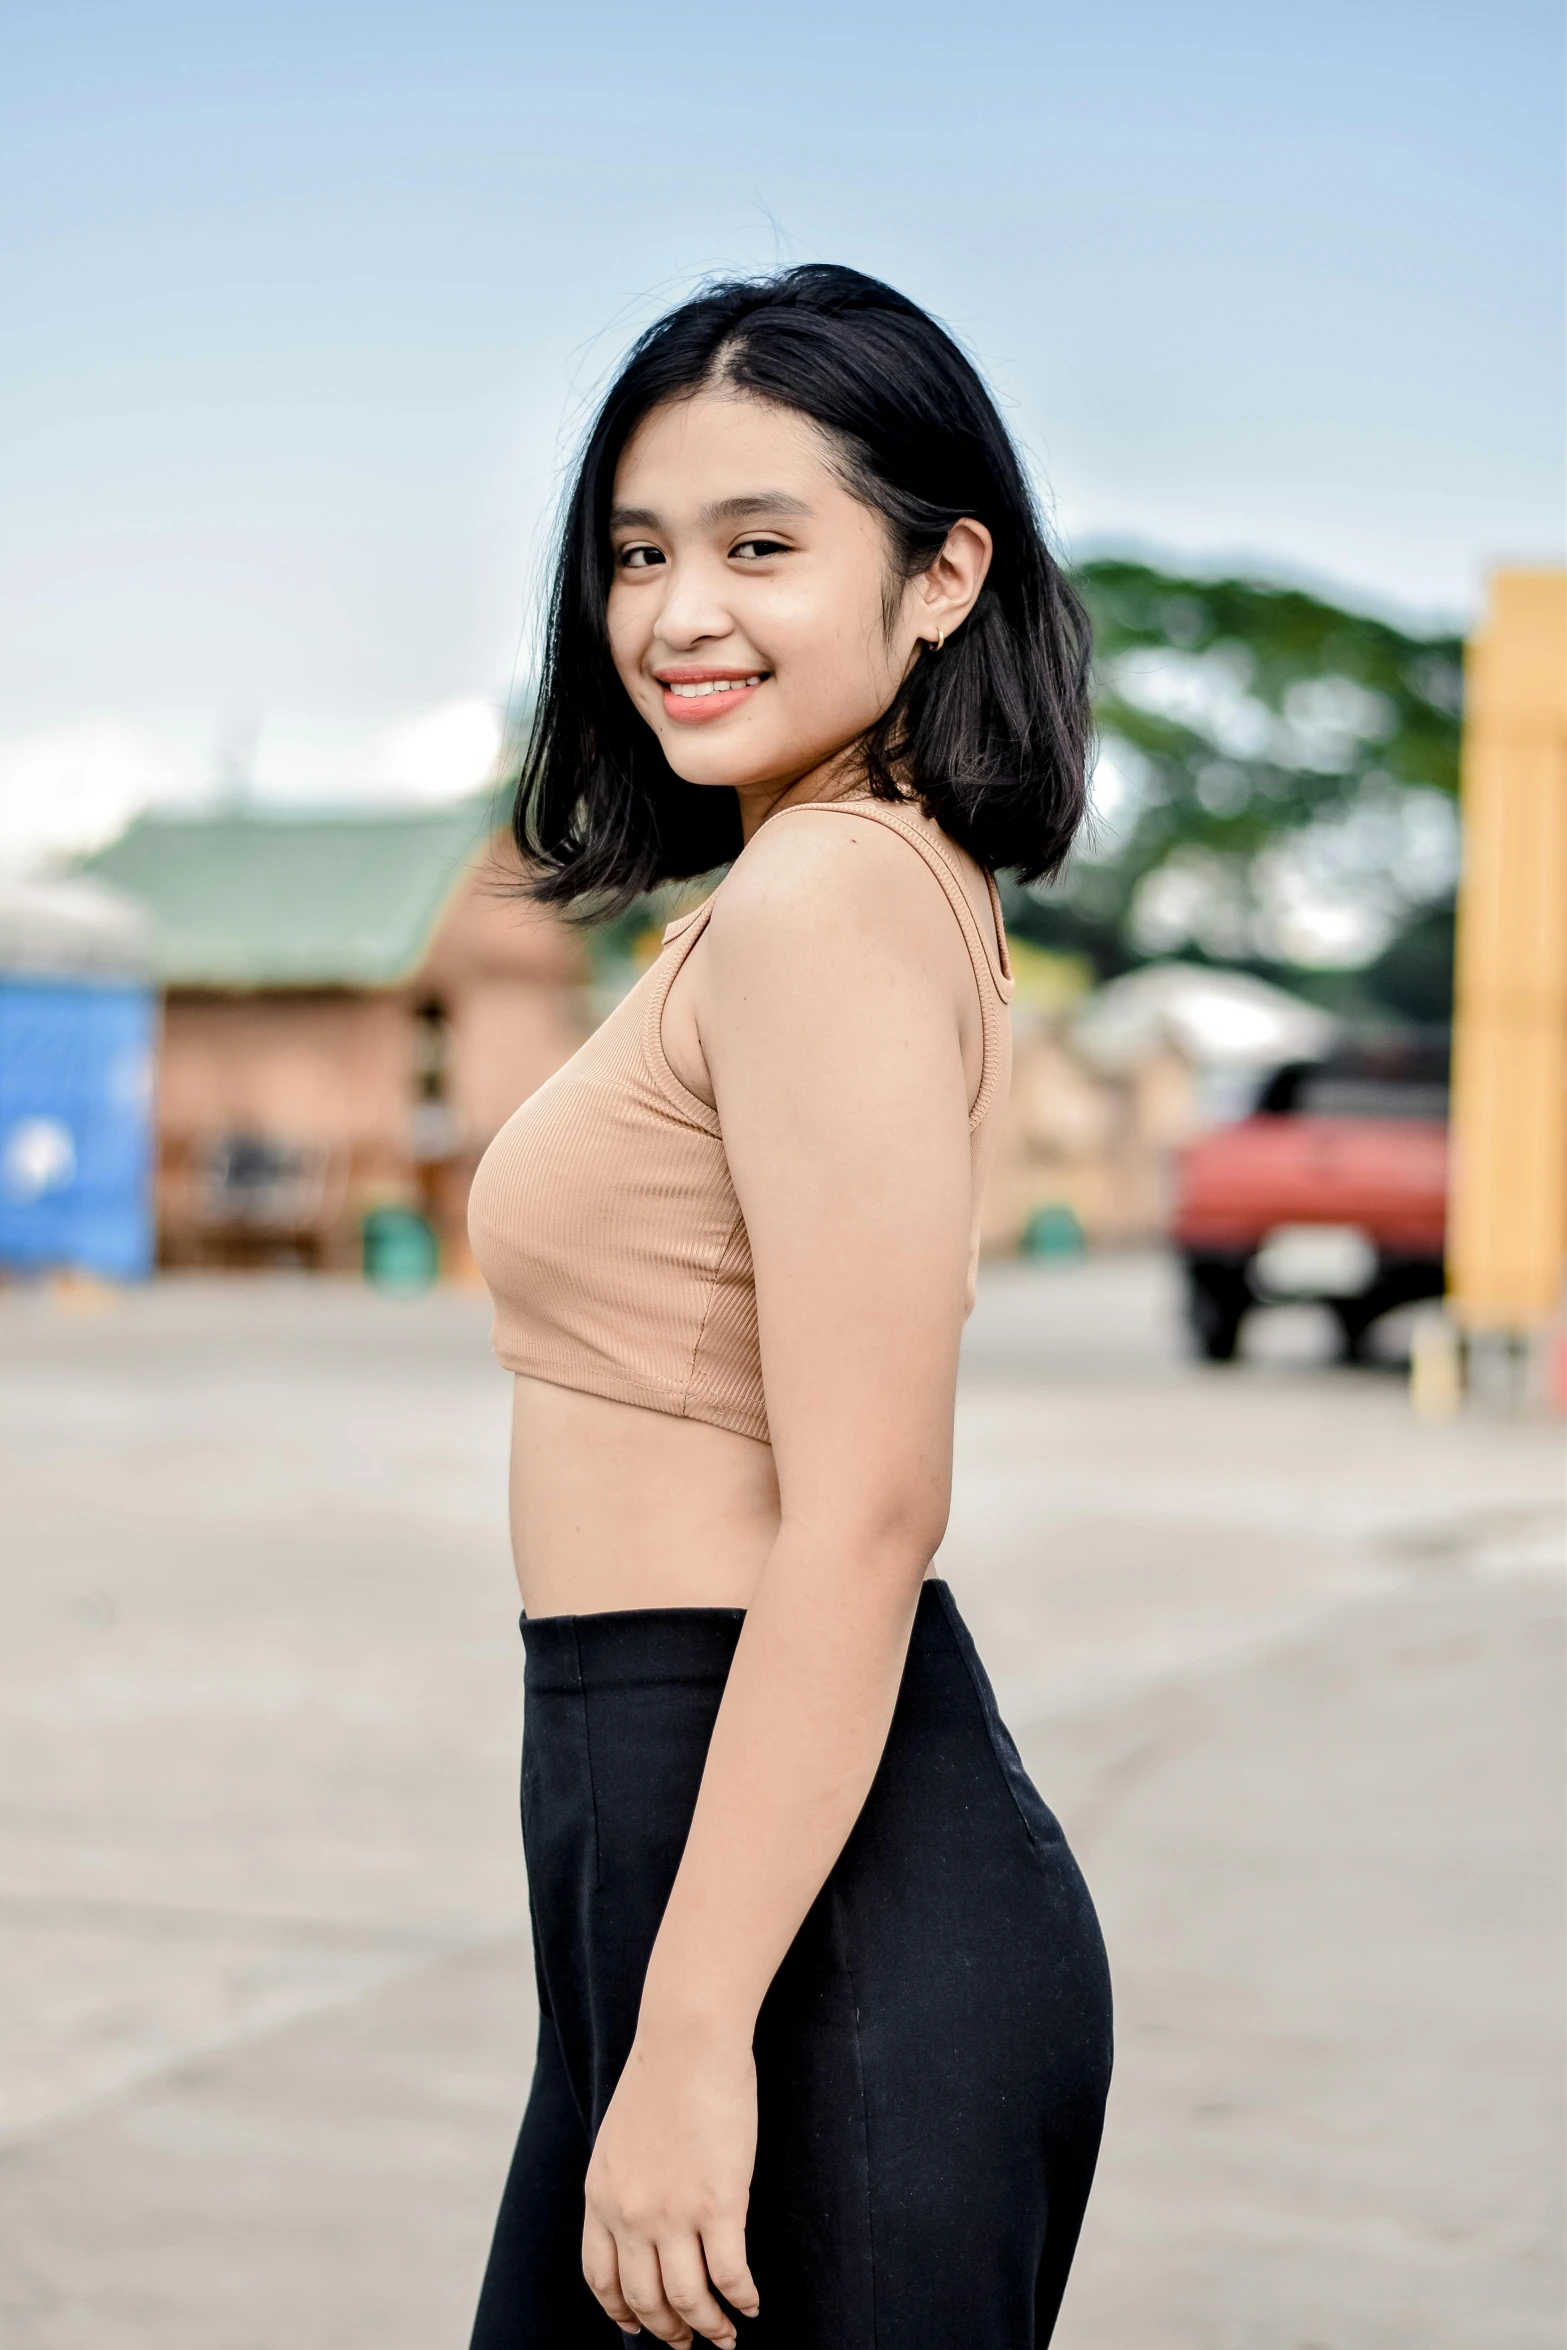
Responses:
[603,1216]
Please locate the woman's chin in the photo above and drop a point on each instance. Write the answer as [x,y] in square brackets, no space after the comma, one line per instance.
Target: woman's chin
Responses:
[710,779]
[709,768]
[710,764]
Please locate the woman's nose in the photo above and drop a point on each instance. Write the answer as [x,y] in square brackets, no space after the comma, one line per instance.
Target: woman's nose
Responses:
[693,610]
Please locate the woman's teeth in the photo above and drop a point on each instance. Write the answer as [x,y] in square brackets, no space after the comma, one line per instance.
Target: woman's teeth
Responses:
[710,685]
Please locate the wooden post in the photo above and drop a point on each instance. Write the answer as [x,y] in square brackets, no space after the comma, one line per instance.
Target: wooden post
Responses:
[1507,1221]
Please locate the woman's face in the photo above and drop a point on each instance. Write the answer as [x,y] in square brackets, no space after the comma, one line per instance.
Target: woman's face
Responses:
[746,605]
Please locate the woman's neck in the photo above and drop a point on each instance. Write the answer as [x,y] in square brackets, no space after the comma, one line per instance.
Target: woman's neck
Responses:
[837,778]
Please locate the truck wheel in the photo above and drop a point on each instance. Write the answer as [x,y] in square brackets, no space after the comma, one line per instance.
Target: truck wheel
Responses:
[1354,1328]
[1216,1302]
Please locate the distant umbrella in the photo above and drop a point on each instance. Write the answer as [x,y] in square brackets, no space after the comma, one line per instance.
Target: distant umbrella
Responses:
[1215,1019]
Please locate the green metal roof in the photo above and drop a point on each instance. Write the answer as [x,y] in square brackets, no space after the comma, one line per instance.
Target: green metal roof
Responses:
[244,898]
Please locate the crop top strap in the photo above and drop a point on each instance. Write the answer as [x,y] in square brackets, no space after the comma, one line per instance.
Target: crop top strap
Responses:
[992,966]
[681,935]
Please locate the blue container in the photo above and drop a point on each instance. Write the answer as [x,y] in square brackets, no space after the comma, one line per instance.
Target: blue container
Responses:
[1053,1233]
[401,1252]
[76,1143]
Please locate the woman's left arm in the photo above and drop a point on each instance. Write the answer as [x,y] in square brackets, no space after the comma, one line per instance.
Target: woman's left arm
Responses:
[832,1010]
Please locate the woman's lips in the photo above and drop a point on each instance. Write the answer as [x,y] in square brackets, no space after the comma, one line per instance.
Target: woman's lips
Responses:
[696,701]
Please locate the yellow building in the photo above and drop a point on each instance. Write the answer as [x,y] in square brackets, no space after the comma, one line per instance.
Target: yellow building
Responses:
[1507,1237]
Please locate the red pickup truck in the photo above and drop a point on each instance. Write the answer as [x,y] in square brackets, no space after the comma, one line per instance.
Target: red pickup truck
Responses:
[1333,1190]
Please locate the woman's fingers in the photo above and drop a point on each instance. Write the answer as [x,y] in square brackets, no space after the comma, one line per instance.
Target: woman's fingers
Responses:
[601,2267]
[664,2286]
[688,2293]
[643,2286]
[723,2243]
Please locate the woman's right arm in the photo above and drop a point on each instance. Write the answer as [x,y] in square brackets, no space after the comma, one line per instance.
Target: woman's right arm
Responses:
[832,1014]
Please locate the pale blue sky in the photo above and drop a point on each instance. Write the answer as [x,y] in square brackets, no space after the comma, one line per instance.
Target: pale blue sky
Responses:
[299,302]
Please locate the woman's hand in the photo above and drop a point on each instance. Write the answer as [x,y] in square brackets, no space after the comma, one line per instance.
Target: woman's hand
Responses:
[668,2185]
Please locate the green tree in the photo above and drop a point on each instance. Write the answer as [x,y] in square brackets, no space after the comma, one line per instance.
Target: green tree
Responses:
[1276,783]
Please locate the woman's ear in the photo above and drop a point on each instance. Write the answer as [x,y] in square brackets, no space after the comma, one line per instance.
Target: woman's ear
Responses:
[945,595]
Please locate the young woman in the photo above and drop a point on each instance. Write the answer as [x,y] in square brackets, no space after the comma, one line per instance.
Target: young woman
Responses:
[825,2028]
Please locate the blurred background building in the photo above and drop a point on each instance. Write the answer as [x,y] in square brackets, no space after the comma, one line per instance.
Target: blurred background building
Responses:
[351,1007]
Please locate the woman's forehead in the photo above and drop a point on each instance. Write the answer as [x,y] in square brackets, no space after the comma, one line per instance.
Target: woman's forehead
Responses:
[718,447]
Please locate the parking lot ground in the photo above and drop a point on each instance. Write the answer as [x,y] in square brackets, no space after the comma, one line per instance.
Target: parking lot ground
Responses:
[1286,1661]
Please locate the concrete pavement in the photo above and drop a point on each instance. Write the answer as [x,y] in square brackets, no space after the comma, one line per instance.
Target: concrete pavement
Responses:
[1286,1661]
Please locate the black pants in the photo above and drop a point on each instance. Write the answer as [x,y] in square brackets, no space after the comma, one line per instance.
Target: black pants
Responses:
[933,2054]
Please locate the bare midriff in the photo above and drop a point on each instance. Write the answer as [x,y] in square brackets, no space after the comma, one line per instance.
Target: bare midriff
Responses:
[613,1506]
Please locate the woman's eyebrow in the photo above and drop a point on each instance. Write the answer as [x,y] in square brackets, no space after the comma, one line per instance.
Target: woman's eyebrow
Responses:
[762,502]
[723,510]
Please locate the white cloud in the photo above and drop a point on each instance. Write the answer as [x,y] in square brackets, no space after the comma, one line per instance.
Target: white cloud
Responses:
[441,755]
[306,758]
[69,788]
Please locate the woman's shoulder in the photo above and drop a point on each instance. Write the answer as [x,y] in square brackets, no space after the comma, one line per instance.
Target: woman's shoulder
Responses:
[819,866]
[876,868]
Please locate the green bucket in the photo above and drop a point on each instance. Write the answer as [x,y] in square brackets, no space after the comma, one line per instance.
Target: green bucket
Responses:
[400,1250]
[1053,1233]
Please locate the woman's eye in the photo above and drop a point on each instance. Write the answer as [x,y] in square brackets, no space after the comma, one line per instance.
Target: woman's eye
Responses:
[755,549]
[639,558]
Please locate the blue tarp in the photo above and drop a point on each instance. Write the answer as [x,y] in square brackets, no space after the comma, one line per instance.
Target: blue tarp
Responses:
[76,1071]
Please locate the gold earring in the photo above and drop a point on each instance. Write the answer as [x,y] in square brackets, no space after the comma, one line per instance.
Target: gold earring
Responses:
[941,638]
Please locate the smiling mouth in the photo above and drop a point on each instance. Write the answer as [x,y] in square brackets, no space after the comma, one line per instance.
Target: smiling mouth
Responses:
[697,689]
[695,701]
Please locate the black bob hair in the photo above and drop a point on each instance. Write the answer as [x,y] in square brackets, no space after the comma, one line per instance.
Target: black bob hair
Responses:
[990,735]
